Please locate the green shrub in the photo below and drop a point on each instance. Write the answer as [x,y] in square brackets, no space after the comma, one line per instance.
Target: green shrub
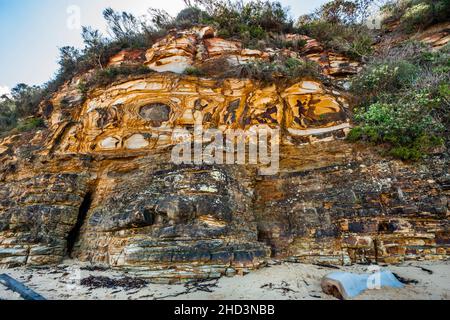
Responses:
[8,114]
[108,75]
[404,101]
[83,88]
[418,149]
[188,17]
[354,40]
[406,153]
[26,99]
[295,45]
[192,71]
[294,68]
[281,69]
[358,47]
[411,123]
[29,124]
[381,78]
[241,19]
[417,14]
[23,102]
[407,127]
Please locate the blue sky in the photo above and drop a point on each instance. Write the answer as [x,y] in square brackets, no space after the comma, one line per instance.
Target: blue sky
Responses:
[31,31]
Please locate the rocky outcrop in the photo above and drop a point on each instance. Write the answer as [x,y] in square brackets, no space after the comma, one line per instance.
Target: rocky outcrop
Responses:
[436,36]
[142,114]
[130,56]
[99,183]
[199,47]
[338,204]
[192,48]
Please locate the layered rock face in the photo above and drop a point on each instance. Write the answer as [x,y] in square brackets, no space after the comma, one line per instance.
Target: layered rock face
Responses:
[99,184]
[142,114]
[338,203]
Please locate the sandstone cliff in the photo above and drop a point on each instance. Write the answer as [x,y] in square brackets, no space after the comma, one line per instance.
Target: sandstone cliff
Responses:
[98,184]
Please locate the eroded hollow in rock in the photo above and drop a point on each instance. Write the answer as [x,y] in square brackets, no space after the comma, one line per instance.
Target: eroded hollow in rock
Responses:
[75,232]
[156,113]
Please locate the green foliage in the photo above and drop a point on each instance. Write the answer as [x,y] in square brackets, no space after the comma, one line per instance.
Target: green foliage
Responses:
[342,12]
[357,46]
[8,114]
[294,68]
[108,75]
[281,68]
[192,71]
[23,102]
[191,16]
[126,30]
[403,104]
[417,14]
[29,124]
[94,53]
[83,87]
[282,43]
[384,77]
[250,19]
[339,25]
[26,99]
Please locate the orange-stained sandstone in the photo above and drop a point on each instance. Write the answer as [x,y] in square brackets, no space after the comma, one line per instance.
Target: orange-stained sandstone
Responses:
[98,183]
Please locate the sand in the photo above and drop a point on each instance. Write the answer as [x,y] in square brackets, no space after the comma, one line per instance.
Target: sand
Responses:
[278,281]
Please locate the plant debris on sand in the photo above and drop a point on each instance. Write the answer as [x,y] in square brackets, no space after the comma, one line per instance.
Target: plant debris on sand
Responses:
[195,286]
[95,282]
[284,287]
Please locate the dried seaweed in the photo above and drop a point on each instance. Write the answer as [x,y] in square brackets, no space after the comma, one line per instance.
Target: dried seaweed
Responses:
[127,283]
[405,280]
[194,286]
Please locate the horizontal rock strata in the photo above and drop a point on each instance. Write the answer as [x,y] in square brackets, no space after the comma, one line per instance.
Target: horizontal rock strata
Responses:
[99,185]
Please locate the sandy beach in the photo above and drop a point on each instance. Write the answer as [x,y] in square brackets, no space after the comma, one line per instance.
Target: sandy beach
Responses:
[277,281]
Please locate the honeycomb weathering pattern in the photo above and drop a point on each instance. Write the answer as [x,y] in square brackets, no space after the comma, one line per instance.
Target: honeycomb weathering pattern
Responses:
[154,106]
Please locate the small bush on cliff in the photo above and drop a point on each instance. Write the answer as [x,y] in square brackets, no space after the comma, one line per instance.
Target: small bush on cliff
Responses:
[109,75]
[191,16]
[417,14]
[192,71]
[8,116]
[22,103]
[280,69]
[404,101]
[26,99]
[29,124]
[406,125]
[244,20]
[384,77]
[126,30]
[339,25]
[353,41]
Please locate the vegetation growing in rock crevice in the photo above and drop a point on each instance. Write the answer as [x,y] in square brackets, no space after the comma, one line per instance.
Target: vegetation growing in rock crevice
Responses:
[280,69]
[111,74]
